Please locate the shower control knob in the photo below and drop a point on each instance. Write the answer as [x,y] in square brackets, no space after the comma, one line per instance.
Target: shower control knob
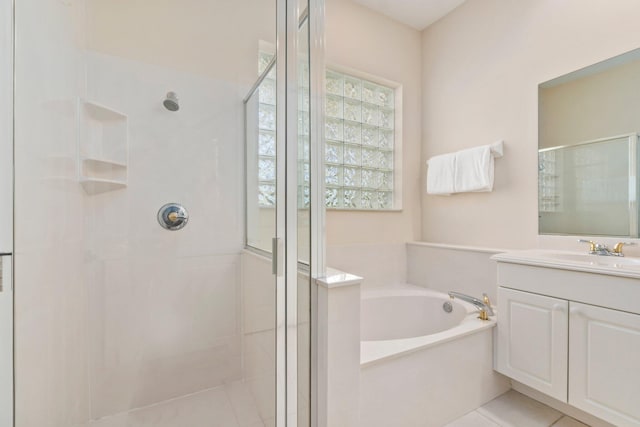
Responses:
[173,216]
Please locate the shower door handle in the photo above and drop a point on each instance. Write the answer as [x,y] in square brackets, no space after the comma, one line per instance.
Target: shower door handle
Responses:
[276,250]
[4,266]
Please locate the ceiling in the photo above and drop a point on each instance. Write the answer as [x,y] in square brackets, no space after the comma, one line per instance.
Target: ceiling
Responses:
[418,14]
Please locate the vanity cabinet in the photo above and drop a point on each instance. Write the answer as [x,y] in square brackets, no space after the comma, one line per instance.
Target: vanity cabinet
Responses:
[604,363]
[532,340]
[573,335]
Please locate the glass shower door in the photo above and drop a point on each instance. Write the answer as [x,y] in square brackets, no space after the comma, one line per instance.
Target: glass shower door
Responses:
[6,342]
[303,203]
[278,203]
[6,213]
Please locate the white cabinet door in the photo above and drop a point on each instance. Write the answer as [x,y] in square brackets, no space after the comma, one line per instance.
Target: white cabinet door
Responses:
[6,343]
[532,340]
[604,363]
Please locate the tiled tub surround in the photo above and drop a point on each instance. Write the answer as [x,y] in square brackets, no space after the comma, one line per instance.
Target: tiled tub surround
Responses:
[445,268]
[427,380]
[380,264]
[338,320]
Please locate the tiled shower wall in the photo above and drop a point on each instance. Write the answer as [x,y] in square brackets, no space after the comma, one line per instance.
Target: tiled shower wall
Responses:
[112,311]
[164,307]
[51,369]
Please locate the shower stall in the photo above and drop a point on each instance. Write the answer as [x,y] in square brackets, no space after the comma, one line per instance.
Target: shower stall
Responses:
[167,212]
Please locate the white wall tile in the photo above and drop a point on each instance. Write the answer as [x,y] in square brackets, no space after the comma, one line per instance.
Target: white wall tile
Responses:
[52,382]
[161,334]
[6,132]
[343,355]
[447,269]
[381,264]
[114,312]
[258,293]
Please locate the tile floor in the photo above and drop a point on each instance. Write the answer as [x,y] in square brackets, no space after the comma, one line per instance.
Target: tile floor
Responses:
[514,409]
[231,405]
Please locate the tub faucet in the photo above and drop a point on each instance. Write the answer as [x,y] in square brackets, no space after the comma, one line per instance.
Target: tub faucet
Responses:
[483,305]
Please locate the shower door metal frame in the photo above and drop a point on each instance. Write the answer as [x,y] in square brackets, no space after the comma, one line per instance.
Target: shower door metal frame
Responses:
[286,213]
[281,220]
[288,24]
[291,211]
[317,67]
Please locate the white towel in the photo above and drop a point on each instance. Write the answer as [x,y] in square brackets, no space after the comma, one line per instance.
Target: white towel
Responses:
[441,174]
[474,170]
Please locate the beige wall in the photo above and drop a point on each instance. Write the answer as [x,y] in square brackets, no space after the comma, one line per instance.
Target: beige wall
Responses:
[481,68]
[596,106]
[215,38]
[366,41]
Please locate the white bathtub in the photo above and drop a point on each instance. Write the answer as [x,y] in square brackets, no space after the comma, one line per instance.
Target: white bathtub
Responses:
[408,318]
[419,365]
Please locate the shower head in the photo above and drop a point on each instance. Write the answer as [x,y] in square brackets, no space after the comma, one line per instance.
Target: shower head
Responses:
[171,102]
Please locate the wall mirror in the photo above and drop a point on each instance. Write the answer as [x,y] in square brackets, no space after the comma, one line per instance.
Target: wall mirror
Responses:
[588,126]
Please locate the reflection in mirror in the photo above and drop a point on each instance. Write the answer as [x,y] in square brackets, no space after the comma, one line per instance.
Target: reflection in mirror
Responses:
[584,188]
[587,163]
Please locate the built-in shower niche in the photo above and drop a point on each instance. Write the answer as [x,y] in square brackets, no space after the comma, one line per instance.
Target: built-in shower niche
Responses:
[102,147]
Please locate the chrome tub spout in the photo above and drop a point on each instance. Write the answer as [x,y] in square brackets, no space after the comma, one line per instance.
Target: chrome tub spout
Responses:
[484,305]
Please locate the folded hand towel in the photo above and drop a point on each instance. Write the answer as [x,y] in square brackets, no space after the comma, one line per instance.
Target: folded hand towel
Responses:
[474,170]
[440,174]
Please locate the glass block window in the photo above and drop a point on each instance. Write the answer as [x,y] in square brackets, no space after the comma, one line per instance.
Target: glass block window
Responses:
[266,134]
[359,134]
[549,188]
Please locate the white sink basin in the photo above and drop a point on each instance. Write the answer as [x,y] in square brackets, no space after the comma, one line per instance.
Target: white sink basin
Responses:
[621,266]
[593,259]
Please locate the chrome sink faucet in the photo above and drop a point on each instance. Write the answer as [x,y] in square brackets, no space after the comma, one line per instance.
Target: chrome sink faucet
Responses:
[484,305]
[601,249]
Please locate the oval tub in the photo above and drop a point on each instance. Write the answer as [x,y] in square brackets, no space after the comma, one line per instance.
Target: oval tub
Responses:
[421,366]
[396,321]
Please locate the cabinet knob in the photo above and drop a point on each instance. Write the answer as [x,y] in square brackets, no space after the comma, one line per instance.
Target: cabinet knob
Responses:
[558,307]
[575,311]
